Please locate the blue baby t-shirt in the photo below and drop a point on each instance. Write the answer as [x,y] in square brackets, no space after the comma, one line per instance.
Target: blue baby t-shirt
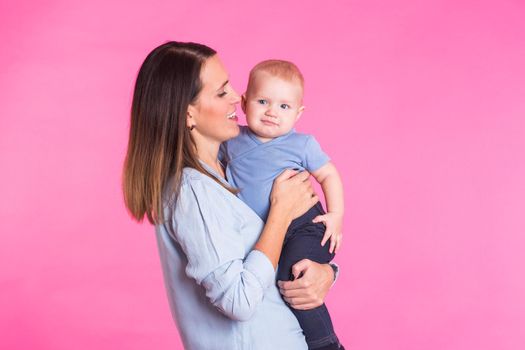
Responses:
[253,165]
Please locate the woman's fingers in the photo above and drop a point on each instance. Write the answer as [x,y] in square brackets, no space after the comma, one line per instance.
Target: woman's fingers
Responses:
[308,291]
[303,303]
[302,176]
[299,269]
[291,293]
[285,175]
[297,284]
[292,193]
[306,306]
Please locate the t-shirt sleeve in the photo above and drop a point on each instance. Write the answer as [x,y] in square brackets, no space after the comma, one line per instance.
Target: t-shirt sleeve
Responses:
[210,236]
[314,157]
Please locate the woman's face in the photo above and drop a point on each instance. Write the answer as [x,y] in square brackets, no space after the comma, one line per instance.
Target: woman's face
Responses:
[214,113]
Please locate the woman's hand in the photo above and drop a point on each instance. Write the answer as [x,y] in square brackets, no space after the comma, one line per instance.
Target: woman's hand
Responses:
[309,290]
[292,194]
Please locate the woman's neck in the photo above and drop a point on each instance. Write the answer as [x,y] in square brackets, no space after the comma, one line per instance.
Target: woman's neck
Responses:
[209,157]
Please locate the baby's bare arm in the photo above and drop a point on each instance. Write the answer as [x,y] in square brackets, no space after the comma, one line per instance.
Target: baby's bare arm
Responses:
[330,181]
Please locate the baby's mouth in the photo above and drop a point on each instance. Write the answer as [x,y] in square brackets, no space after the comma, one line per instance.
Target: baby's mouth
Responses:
[269,122]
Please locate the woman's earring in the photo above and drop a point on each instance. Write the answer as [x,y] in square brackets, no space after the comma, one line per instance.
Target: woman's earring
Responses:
[193,126]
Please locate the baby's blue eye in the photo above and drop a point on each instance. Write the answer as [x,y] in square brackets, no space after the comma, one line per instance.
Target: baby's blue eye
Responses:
[285,106]
[261,102]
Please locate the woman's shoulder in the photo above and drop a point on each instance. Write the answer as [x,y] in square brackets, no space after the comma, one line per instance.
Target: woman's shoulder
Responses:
[191,175]
[199,195]
[191,180]
[195,183]
[196,186]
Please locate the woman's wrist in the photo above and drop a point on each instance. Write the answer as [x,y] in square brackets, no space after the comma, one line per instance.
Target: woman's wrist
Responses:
[280,215]
[271,239]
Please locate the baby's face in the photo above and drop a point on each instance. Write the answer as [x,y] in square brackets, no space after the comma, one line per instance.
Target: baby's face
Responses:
[272,106]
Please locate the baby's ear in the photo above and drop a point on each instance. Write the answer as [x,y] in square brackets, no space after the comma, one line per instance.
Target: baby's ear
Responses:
[243,103]
[299,112]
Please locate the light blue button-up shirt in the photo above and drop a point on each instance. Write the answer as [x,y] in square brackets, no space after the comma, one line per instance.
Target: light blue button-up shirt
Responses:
[222,293]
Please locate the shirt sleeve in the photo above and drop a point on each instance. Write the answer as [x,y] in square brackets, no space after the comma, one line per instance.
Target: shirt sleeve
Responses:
[314,157]
[210,235]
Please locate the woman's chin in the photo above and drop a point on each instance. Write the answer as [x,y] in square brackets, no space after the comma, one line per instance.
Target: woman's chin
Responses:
[235,130]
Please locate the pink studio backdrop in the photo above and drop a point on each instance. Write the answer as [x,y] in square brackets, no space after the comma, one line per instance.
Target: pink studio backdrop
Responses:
[419,103]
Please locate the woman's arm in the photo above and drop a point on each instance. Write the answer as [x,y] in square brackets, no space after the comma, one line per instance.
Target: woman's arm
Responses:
[291,196]
[211,239]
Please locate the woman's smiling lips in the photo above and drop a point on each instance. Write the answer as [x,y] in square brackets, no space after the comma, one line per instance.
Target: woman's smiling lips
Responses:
[232,116]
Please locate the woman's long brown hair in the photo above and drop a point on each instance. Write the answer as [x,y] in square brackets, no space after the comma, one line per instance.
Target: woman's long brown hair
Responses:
[160,145]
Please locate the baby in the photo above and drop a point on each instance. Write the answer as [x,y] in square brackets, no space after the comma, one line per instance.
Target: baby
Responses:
[265,148]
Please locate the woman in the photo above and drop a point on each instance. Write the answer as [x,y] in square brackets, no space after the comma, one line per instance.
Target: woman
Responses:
[218,257]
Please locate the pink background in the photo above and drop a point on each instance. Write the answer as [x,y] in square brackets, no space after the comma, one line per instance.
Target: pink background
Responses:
[419,103]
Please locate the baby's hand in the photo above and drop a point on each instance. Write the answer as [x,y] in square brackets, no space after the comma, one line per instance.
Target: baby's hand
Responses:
[333,223]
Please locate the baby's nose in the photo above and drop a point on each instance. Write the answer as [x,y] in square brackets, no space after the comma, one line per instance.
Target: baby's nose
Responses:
[270,112]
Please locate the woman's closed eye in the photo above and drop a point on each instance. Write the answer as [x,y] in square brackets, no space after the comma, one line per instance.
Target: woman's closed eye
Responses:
[222,93]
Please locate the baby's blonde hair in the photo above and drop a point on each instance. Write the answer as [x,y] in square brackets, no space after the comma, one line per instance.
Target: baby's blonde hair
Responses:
[278,68]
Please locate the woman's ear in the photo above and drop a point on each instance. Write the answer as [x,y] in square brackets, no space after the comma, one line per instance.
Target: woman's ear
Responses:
[190,116]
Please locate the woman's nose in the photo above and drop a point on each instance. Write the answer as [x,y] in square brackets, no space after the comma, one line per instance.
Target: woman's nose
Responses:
[235,98]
